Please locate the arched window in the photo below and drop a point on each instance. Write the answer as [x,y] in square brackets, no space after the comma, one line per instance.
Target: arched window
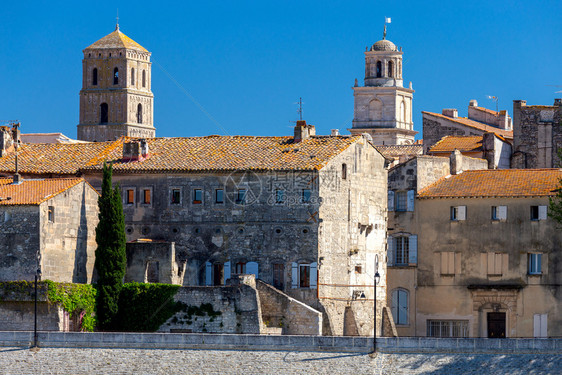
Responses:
[402,112]
[379,69]
[375,110]
[104,113]
[144,78]
[132,76]
[95,77]
[390,68]
[400,306]
[139,113]
[115,76]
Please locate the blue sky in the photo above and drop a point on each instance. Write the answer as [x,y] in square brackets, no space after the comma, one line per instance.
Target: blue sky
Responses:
[239,67]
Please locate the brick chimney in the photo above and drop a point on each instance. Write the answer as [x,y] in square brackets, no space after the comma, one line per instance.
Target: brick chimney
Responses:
[135,150]
[303,131]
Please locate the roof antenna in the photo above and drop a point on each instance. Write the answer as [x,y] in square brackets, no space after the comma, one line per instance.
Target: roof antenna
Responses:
[299,111]
[15,135]
[117,21]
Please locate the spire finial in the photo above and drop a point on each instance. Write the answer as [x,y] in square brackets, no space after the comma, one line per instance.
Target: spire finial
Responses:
[386,20]
[117,21]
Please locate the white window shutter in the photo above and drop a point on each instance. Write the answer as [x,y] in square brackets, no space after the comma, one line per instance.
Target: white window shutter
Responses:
[543,331]
[542,212]
[226,271]
[390,250]
[413,253]
[390,200]
[502,212]
[462,213]
[313,275]
[252,269]
[410,205]
[294,275]
[208,274]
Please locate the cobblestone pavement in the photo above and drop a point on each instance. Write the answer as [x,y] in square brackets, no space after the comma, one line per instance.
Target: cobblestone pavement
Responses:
[170,362]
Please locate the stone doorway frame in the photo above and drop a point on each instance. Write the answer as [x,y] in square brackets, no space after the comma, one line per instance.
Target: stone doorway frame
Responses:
[485,300]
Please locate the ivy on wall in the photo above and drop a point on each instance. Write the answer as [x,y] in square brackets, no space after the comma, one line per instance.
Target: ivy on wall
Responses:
[75,299]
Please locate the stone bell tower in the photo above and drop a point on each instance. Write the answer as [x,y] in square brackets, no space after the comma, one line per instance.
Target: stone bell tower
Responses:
[115,99]
[383,107]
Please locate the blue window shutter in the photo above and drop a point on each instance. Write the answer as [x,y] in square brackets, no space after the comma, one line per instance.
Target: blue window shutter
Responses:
[410,205]
[390,200]
[402,307]
[413,252]
[252,269]
[313,275]
[390,251]
[394,307]
[226,271]
[294,275]
[208,274]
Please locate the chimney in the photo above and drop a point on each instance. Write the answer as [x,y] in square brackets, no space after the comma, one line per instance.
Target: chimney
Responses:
[335,132]
[135,150]
[303,131]
[473,103]
[557,102]
[456,162]
[450,112]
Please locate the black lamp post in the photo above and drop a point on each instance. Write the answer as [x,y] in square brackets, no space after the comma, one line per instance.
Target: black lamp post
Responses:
[37,275]
[377,279]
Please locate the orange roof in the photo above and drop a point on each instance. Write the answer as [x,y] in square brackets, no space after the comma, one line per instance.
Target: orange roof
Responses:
[33,192]
[463,144]
[474,124]
[117,40]
[496,183]
[211,153]
[399,150]
[492,112]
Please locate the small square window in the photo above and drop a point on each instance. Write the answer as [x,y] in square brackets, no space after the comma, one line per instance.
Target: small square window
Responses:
[304,275]
[344,171]
[534,261]
[241,196]
[306,195]
[401,199]
[534,212]
[458,213]
[358,269]
[538,213]
[51,214]
[130,196]
[197,196]
[175,196]
[240,268]
[279,196]
[219,196]
[146,196]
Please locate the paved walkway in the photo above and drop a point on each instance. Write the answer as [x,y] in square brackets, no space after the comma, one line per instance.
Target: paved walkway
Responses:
[171,362]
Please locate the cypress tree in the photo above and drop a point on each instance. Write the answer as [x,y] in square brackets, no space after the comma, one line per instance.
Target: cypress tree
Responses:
[111,260]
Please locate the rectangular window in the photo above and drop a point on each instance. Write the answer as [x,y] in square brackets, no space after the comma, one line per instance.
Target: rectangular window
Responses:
[306,195]
[495,262]
[538,213]
[358,269]
[240,268]
[534,261]
[279,276]
[241,196]
[458,213]
[344,171]
[219,196]
[175,196]
[279,196]
[197,196]
[304,275]
[499,213]
[399,306]
[130,196]
[402,250]
[401,200]
[146,196]
[447,328]
[447,263]
[51,214]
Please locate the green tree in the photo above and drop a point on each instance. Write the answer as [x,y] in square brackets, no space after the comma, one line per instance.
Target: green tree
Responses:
[111,259]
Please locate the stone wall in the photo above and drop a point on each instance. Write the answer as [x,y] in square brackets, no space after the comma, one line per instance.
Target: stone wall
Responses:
[152,261]
[435,128]
[293,317]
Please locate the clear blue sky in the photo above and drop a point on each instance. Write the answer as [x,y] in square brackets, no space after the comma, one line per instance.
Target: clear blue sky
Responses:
[247,62]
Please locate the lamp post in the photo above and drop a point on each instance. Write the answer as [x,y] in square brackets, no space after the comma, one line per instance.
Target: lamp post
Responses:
[37,275]
[377,279]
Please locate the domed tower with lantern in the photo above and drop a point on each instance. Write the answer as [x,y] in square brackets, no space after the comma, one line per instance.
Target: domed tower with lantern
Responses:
[383,106]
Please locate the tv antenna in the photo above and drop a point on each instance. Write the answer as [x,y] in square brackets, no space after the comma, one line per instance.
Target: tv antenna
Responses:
[299,109]
[494,98]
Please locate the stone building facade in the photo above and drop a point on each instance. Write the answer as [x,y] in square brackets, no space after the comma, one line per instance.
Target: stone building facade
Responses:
[48,224]
[383,106]
[116,98]
[479,121]
[537,133]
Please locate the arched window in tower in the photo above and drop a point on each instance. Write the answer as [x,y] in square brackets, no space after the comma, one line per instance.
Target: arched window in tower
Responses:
[144,78]
[116,76]
[95,76]
[104,113]
[132,76]
[139,114]
[390,69]
[399,73]
[379,69]
[375,110]
[402,112]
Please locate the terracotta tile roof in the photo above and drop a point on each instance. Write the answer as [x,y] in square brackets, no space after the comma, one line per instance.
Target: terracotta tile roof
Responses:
[474,124]
[399,150]
[211,153]
[492,112]
[33,192]
[463,144]
[117,40]
[54,158]
[496,183]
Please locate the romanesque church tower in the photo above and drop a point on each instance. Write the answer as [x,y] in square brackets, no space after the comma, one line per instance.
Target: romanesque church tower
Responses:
[115,99]
[383,107]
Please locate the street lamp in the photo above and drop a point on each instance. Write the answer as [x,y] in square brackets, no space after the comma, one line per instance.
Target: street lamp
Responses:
[37,275]
[377,279]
